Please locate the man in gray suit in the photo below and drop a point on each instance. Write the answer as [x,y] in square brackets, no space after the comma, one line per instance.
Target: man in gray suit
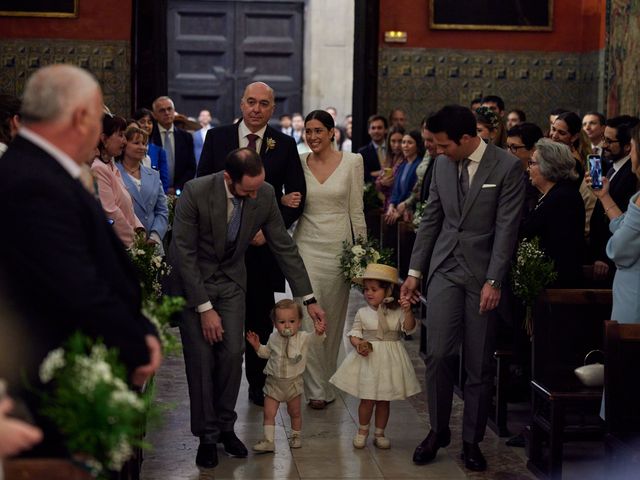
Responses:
[216,218]
[464,245]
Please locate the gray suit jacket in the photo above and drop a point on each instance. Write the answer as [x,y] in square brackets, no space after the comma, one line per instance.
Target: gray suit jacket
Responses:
[487,226]
[199,238]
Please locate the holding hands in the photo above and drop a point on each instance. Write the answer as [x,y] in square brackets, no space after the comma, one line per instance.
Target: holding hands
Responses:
[320,326]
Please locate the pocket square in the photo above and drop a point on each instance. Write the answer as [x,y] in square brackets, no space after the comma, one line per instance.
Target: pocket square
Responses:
[488,185]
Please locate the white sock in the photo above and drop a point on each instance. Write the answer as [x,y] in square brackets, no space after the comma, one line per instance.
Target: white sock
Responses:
[296,433]
[269,432]
[379,432]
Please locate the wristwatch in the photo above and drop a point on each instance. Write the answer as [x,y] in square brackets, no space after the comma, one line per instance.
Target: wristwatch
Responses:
[309,301]
[494,283]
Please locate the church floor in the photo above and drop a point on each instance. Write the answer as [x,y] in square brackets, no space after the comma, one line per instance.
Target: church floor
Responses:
[327,452]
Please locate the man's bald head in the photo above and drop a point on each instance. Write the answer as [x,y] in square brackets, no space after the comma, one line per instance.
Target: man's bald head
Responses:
[257,105]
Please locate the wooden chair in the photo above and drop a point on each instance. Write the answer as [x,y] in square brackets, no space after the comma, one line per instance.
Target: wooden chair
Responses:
[567,324]
[622,398]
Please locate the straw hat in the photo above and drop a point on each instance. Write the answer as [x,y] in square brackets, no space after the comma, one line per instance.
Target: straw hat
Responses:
[378,271]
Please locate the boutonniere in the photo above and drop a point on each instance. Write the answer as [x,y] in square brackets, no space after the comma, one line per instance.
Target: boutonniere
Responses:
[271,143]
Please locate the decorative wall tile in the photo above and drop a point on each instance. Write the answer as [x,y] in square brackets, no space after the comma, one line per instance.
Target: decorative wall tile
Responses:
[535,82]
[108,61]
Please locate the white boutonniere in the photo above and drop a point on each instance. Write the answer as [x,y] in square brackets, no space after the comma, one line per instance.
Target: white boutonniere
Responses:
[271,143]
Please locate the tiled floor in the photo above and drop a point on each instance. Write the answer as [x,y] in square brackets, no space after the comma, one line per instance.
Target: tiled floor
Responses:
[327,452]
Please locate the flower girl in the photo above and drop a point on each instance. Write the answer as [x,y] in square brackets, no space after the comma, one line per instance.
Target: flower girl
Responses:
[379,369]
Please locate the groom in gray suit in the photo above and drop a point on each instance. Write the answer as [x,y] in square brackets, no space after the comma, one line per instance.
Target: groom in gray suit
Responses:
[464,246]
[216,218]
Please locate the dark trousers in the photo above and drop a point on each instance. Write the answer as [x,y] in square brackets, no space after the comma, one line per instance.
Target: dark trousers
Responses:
[453,298]
[259,303]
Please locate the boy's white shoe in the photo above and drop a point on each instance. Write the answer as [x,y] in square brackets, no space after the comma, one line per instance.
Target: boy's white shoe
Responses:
[264,446]
[295,441]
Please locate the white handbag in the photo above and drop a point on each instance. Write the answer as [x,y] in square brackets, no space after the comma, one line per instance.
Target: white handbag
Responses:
[591,374]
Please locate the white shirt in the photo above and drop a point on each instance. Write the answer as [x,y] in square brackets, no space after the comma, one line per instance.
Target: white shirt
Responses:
[162,131]
[62,158]
[287,355]
[243,131]
[3,148]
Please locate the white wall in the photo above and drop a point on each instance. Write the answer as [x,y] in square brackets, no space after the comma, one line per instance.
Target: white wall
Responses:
[328,55]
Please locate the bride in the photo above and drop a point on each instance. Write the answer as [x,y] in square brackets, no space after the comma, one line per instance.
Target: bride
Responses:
[333,213]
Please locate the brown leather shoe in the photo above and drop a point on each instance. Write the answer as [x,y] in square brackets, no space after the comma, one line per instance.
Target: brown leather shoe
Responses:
[427,450]
[473,458]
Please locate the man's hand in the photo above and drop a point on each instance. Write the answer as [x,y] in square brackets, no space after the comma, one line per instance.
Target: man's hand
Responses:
[292,199]
[600,269]
[316,312]
[211,324]
[320,326]
[601,192]
[253,339]
[489,298]
[15,435]
[259,239]
[144,372]
[409,290]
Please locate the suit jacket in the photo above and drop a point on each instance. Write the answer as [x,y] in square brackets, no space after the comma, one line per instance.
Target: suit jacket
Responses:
[621,188]
[199,238]
[558,220]
[64,270]
[185,168]
[198,143]
[486,228]
[150,202]
[371,161]
[283,170]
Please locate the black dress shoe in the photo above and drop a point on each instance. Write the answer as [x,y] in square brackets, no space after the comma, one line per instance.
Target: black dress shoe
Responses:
[427,450]
[207,456]
[232,445]
[473,458]
[256,397]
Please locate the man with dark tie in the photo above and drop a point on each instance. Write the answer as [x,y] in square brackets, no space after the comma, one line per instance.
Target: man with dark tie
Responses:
[177,143]
[283,171]
[464,247]
[374,153]
[216,219]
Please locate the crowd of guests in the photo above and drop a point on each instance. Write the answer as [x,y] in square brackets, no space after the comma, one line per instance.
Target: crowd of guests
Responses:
[134,165]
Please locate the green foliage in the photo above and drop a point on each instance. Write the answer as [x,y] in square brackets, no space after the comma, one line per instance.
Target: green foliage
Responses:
[159,312]
[371,198]
[150,266]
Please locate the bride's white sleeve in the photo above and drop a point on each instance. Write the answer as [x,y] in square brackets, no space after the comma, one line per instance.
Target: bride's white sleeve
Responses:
[356,202]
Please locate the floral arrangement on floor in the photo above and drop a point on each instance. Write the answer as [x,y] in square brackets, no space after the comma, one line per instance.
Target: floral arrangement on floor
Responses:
[100,417]
[371,198]
[160,314]
[418,213]
[531,273]
[356,256]
[171,206]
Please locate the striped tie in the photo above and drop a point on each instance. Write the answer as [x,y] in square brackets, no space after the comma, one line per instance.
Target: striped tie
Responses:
[234,224]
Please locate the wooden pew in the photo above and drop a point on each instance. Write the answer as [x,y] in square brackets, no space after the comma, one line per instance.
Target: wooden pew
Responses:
[43,469]
[622,398]
[567,323]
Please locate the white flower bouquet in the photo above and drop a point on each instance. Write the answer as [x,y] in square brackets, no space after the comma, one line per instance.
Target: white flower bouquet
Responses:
[532,272]
[151,267]
[356,256]
[418,213]
[89,401]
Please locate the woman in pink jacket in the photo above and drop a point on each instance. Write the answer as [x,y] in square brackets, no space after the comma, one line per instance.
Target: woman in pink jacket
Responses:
[114,197]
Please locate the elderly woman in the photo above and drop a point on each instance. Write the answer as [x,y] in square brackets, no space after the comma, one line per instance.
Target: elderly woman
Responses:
[144,186]
[558,218]
[624,245]
[116,201]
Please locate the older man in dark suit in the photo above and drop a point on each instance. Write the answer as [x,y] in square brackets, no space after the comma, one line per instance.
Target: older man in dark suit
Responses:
[464,245]
[217,217]
[63,267]
[177,143]
[284,172]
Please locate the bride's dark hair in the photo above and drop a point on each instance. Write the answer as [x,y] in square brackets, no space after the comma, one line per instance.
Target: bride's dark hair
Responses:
[323,117]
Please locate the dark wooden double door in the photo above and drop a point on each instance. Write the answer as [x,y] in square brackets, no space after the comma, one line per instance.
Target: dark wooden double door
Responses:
[216,48]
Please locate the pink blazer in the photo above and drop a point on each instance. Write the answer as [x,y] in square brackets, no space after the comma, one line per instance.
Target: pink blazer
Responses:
[116,201]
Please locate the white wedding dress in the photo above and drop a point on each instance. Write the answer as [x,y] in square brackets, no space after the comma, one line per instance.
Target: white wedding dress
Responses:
[333,213]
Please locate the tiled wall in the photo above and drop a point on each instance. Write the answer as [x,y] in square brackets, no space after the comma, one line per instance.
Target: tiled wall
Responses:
[108,60]
[420,80]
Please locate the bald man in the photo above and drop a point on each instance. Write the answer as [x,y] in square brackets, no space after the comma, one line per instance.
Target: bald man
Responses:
[284,172]
[62,266]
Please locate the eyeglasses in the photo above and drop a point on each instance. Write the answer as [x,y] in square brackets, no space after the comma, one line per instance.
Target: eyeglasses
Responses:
[608,141]
[514,148]
[531,163]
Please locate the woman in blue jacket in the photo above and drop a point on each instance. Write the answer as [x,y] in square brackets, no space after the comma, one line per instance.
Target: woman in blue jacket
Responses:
[156,156]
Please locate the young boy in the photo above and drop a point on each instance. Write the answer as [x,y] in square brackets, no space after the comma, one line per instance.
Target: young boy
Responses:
[286,352]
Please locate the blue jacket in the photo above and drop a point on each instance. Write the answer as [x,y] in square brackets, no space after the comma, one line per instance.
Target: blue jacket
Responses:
[150,203]
[401,190]
[159,163]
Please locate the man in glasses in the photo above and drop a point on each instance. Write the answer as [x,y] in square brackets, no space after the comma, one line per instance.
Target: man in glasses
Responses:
[520,141]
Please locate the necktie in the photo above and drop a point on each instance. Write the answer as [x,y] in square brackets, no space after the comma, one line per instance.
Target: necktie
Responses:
[234,224]
[168,148]
[611,172]
[463,181]
[252,137]
[381,155]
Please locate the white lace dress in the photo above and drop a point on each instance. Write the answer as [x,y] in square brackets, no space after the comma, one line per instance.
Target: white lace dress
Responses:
[332,211]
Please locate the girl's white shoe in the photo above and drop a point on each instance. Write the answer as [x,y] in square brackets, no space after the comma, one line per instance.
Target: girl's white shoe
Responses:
[264,446]
[360,440]
[380,441]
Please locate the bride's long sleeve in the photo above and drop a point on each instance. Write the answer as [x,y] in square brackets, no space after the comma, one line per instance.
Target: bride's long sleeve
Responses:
[356,202]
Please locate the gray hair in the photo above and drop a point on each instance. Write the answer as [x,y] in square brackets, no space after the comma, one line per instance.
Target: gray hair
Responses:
[163,97]
[555,161]
[53,92]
